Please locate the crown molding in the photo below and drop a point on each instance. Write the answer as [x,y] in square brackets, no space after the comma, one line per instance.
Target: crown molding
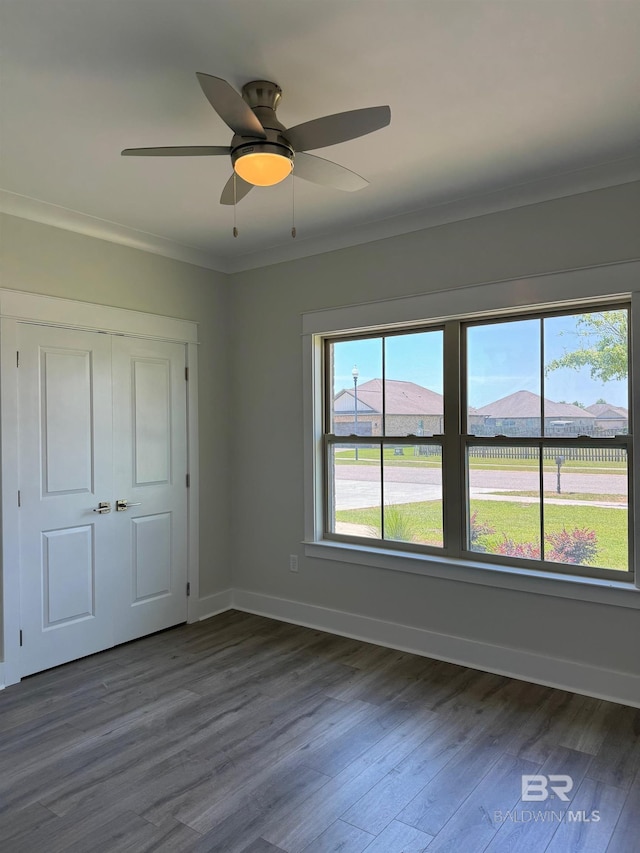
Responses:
[580,181]
[26,207]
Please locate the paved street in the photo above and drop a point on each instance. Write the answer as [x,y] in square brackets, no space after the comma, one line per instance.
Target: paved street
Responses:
[359,486]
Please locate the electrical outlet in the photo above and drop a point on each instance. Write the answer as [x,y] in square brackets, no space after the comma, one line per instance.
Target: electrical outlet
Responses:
[293,562]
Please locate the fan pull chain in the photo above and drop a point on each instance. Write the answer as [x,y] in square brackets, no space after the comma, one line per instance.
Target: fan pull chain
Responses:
[293,207]
[235,201]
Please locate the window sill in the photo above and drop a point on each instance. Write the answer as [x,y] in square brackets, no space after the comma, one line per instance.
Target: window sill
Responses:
[597,590]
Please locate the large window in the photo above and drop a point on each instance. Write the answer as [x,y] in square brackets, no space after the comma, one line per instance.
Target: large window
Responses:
[505,440]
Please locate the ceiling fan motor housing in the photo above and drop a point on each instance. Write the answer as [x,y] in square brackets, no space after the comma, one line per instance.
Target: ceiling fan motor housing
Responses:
[242,146]
[263,97]
[262,93]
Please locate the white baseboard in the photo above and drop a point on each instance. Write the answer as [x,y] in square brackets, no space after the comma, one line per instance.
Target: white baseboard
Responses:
[211,605]
[585,679]
[2,676]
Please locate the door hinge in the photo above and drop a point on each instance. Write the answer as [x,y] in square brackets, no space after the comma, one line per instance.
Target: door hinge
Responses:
[186,374]
[20,636]
[188,478]
[17,358]
[19,498]
[188,589]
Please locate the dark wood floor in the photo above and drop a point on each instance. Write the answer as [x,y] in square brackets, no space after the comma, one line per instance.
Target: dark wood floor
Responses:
[245,734]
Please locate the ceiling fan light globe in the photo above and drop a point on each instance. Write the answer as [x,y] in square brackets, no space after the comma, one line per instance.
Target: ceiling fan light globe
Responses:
[262,168]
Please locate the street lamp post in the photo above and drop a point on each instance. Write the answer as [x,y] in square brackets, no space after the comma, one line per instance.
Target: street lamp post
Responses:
[355,373]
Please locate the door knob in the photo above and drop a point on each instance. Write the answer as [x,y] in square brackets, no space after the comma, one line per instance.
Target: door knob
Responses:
[103,506]
[122,505]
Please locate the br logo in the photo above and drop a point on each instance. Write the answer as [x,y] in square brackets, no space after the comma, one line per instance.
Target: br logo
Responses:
[536,788]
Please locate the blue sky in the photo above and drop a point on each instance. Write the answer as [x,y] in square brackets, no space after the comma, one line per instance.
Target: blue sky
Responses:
[502,359]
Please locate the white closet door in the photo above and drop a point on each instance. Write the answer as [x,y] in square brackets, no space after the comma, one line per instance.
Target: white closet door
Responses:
[65,460]
[150,468]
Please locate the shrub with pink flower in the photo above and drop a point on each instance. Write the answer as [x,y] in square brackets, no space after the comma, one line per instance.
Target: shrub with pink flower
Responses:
[527,550]
[576,546]
[477,529]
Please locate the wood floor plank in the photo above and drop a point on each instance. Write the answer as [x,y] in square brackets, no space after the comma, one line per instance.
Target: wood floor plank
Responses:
[235,768]
[432,806]
[474,824]
[47,711]
[30,777]
[140,837]
[28,819]
[533,824]
[392,794]
[262,846]
[321,810]
[332,756]
[436,803]
[135,712]
[397,837]
[175,780]
[79,833]
[284,793]
[617,762]
[542,732]
[625,835]
[588,728]
[340,837]
[241,734]
[598,808]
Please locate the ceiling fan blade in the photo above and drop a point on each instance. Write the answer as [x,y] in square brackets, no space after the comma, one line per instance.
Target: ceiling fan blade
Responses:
[327,173]
[330,130]
[178,151]
[229,105]
[242,188]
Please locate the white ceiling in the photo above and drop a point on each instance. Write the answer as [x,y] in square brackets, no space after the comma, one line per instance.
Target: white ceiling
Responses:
[494,103]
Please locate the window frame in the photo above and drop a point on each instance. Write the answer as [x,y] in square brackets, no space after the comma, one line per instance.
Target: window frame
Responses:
[456,441]
[593,287]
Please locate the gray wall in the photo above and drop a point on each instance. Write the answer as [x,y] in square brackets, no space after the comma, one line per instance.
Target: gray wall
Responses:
[252,374]
[593,228]
[54,262]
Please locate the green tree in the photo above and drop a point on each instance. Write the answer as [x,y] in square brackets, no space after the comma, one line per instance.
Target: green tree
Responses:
[602,346]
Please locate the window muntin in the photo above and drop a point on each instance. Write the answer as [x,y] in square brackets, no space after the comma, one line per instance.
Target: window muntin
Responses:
[570,532]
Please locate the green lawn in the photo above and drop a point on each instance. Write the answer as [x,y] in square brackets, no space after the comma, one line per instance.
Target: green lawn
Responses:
[572,496]
[518,520]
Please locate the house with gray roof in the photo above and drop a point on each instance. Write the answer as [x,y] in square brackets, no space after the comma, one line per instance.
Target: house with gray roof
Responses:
[610,419]
[520,414]
[410,409]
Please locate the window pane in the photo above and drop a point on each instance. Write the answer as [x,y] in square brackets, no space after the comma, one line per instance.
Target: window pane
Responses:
[413,494]
[503,378]
[504,501]
[355,490]
[413,368]
[586,374]
[586,506]
[355,371]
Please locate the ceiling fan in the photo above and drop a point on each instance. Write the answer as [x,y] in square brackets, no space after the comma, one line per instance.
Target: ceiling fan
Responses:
[263,151]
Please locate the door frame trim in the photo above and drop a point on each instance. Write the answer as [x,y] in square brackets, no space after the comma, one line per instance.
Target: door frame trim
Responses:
[19,306]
